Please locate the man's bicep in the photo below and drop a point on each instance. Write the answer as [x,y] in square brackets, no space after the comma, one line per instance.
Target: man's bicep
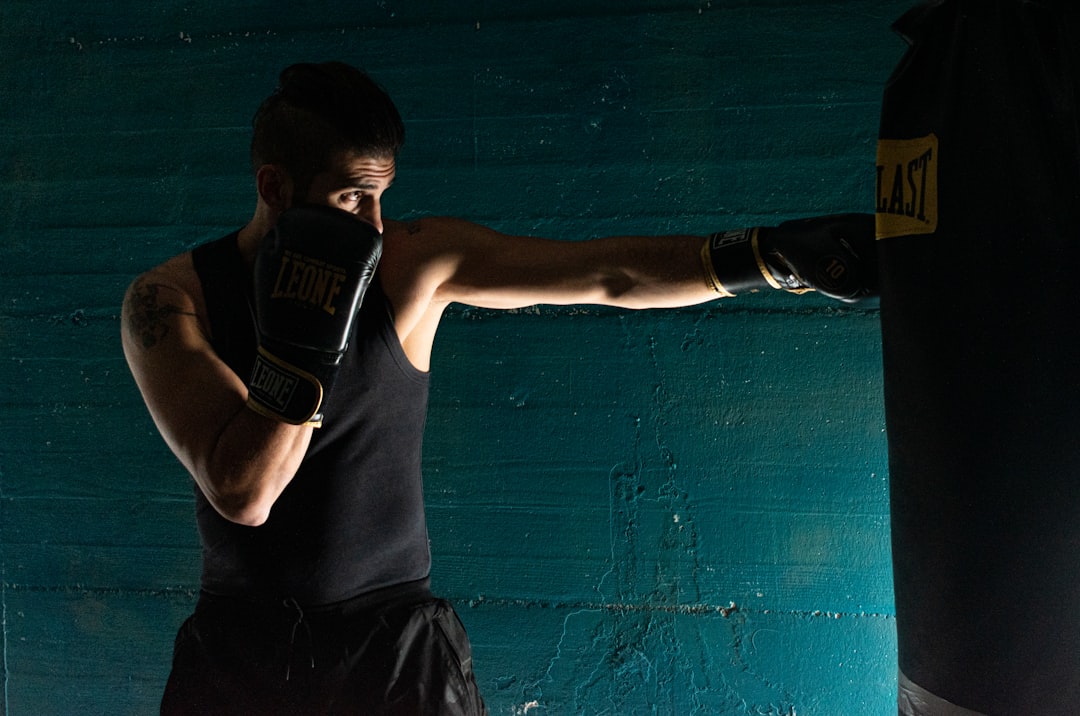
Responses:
[478,266]
[188,390]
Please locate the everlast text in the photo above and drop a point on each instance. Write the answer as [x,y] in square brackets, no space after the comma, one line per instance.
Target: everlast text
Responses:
[907,200]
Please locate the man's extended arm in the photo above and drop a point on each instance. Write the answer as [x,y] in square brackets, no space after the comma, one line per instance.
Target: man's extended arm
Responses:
[448,260]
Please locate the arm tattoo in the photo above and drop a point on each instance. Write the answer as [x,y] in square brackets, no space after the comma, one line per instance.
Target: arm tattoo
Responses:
[148,314]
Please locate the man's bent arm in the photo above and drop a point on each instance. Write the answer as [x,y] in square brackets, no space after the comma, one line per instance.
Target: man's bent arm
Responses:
[240,460]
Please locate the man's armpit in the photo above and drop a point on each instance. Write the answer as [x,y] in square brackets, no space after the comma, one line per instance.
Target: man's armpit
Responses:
[149,312]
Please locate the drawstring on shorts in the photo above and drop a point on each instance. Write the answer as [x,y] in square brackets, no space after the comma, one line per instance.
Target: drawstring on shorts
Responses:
[300,621]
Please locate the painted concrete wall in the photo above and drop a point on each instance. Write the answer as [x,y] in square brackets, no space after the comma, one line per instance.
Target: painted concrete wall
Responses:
[666,512]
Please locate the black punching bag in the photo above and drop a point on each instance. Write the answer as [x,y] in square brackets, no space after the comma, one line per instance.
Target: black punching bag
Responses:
[978,208]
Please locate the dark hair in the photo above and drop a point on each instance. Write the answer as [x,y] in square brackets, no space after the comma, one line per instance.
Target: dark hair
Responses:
[319,111]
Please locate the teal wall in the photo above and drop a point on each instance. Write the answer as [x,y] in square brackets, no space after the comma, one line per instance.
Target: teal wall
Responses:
[664,512]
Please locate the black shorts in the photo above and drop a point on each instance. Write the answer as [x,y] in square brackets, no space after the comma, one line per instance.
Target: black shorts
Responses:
[405,653]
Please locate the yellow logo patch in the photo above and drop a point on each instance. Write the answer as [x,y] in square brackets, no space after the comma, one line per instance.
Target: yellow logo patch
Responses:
[907,186]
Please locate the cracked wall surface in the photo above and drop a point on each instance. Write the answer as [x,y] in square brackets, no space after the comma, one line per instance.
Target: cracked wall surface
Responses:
[662,512]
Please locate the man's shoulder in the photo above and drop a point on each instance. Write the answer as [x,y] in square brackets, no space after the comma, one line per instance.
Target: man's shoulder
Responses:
[418,242]
[177,275]
[180,271]
[428,227]
[417,252]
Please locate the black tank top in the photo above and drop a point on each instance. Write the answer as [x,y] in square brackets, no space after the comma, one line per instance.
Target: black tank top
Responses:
[352,519]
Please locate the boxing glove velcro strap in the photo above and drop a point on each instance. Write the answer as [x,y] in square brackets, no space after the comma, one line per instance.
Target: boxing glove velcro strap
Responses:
[730,257]
[282,391]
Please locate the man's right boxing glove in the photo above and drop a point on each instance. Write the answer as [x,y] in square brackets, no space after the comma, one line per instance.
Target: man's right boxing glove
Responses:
[835,255]
[311,273]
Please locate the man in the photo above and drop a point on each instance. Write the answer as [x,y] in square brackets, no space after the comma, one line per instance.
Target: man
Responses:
[289,376]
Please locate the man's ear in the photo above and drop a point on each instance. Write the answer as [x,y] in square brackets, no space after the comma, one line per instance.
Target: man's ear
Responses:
[275,186]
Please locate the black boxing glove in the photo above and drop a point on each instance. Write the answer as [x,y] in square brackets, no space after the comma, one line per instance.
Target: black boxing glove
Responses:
[834,255]
[311,273]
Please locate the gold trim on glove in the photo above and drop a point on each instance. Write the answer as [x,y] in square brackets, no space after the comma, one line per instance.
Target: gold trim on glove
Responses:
[762,266]
[711,279]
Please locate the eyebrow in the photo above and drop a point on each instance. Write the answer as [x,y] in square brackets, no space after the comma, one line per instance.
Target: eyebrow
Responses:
[363,181]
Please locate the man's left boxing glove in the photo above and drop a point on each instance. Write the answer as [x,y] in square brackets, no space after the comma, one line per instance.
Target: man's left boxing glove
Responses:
[835,255]
[311,273]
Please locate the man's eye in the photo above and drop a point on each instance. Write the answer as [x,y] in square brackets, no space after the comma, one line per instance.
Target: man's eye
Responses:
[352,197]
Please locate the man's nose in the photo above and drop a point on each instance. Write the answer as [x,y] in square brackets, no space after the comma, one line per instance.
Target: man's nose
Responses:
[372,213]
